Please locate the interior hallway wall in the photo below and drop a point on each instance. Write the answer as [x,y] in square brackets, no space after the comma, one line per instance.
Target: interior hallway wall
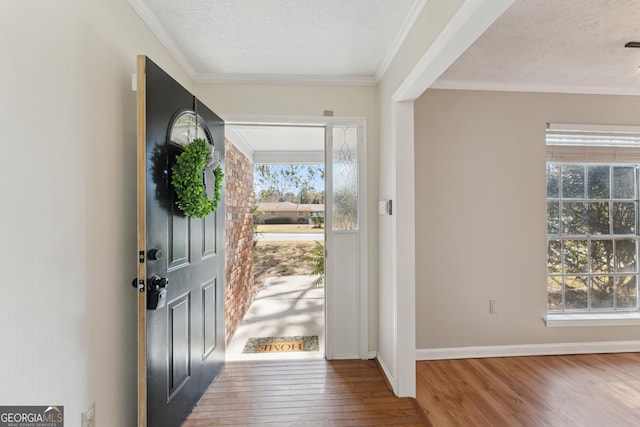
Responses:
[429,24]
[481,214]
[67,220]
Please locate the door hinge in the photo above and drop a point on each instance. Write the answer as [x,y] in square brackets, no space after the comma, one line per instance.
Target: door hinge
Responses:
[138,284]
[141,257]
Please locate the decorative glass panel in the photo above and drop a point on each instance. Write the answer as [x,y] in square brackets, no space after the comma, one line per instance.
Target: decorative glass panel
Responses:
[345,178]
[186,128]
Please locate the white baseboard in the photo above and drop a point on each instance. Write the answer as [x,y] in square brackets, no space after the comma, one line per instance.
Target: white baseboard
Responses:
[344,357]
[527,350]
[372,355]
[387,373]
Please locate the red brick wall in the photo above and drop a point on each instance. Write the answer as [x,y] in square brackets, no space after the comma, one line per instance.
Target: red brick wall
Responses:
[240,287]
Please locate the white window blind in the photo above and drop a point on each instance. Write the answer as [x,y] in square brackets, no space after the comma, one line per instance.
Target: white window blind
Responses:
[593,143]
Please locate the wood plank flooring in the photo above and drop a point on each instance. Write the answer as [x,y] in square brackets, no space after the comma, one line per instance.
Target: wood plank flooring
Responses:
[580,390]
[303,393]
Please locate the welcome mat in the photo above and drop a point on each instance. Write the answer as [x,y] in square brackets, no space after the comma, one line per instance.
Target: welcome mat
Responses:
[282,344]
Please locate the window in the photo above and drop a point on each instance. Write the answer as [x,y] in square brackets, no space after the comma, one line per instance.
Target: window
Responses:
[345,178]
[592,224]
[592,258]
[301,214]
[273,213]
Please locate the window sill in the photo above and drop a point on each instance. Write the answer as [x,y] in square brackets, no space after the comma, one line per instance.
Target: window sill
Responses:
[592,319]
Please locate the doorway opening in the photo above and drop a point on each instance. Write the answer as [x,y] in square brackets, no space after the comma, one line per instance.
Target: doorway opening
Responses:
[278,312]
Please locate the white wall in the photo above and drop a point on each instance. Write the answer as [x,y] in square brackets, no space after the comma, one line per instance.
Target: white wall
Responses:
[481,214]
[277,101]
[429,24]
[67,219]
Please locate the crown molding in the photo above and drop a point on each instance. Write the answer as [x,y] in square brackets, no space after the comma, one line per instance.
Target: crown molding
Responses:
[285,79]
[150,19]
[236,138]
[407,25]
[531,87]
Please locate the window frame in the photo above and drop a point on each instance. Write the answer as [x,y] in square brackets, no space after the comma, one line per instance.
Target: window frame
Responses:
[589,144]
[589,237]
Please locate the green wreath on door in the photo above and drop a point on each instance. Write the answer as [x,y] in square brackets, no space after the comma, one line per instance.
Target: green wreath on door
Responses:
[188,180]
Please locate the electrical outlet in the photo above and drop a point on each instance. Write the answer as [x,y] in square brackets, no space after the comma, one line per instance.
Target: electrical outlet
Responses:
[493,306]
[89,416]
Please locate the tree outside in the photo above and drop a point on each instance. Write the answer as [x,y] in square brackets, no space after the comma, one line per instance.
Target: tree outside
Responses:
[294,183]
[592,244]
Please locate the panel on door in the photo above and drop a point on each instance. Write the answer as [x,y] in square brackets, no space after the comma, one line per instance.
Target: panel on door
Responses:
[183,343]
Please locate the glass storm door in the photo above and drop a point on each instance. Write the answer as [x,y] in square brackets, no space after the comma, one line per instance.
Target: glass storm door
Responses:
[345,287]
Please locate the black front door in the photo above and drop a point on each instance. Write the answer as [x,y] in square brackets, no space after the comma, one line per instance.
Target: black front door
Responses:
[184,256]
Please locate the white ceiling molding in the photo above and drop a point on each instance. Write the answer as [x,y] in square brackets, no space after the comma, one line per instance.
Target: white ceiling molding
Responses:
[158,16]
[415,11]
[524,87]
[158,30]
[266,120]
[239,142]
[285,79]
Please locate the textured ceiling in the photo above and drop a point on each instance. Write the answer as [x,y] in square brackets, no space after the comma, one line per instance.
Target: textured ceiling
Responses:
[280,39]
[279,138]
[555,45]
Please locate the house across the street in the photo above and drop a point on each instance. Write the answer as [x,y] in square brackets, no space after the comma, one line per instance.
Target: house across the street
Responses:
[298,212]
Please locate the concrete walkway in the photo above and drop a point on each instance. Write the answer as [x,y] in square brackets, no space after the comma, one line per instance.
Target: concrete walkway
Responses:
[286,306]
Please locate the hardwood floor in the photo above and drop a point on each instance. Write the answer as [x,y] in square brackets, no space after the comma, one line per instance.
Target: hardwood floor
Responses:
[579,390]
[303,393]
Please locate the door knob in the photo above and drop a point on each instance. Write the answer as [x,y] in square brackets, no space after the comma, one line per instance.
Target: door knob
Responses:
[157,295]
[157,282]
[155,254]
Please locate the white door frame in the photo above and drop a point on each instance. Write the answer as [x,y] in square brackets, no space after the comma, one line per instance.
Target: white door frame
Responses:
[362,286]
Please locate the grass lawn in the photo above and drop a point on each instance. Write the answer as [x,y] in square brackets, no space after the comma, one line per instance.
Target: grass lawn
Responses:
[288,228]
[276,259]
